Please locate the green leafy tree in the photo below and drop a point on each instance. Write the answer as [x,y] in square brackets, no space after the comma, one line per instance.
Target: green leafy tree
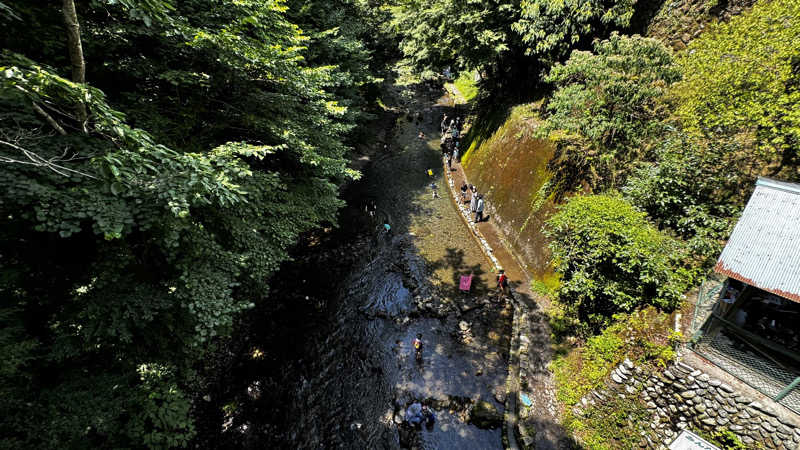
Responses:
[552,28]
[126,252]
[343,34]
[464,35]
[689,190]
[606,109]
[612,260]
[742,82]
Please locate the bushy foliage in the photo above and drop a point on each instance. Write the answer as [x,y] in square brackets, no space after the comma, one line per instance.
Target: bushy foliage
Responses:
[691,190]
[742,82]
[612,260]
[552,28]
[465,84]
[131,241]
[511,42]
[606,108]
[643,336]
[343,35]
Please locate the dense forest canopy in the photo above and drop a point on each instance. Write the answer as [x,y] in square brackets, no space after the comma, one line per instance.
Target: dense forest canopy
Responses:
[160,158]
[511,42]
[157,163]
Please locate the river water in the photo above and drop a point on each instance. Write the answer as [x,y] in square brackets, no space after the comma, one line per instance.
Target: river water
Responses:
[349,370]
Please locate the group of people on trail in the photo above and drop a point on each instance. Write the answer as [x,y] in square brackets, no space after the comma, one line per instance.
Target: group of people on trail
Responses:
[476,203]
[451,133]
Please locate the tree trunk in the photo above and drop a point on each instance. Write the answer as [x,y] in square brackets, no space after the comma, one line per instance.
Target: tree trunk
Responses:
[75,53]
[74,41]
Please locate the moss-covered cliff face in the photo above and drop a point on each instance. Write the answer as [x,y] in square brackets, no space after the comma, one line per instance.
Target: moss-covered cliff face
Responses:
[677,22]
[509,166]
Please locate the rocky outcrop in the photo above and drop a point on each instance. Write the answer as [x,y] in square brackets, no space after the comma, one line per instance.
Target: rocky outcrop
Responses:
[484,415]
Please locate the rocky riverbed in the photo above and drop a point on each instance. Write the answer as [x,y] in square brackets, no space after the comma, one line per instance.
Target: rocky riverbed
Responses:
[347,372]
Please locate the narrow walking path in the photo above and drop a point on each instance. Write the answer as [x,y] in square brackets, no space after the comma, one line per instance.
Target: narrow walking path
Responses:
[531,351]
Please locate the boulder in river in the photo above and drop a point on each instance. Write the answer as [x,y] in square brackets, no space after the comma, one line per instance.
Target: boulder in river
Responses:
[484,415]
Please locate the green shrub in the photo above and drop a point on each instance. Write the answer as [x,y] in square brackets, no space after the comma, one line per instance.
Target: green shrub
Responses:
[612,424]
[691,189]
[546,285]
[643,336]
[729,440]
[606,108]
[612,260]
[725,439]
[551,28]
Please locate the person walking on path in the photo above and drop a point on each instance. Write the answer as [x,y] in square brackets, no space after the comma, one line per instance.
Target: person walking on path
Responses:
[444,124]
[473,201]
[479,210]
[455,152]
[464,192]
[502,281]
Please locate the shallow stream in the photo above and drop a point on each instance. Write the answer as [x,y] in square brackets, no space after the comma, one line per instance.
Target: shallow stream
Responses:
[352,371]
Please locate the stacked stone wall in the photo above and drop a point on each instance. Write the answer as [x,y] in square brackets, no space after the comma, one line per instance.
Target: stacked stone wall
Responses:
[682,397]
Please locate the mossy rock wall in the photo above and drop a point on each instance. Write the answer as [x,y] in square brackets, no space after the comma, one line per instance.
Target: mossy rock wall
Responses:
[677,22]
[683,397]
[509,166]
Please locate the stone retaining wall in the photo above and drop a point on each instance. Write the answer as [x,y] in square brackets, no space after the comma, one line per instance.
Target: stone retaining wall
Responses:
[683,397]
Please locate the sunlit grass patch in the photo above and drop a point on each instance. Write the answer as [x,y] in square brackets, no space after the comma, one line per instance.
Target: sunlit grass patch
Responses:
[466,85]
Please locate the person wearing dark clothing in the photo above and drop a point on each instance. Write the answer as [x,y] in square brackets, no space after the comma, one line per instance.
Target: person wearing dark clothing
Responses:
[428,416]
[464,192]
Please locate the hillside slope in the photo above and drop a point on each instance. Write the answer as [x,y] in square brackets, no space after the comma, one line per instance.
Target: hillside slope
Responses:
[509,166]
